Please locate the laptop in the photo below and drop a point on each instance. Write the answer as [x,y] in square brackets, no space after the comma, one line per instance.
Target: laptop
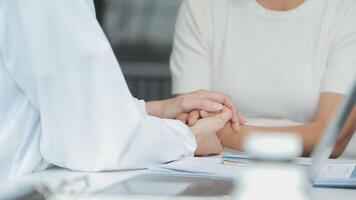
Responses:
[325,147]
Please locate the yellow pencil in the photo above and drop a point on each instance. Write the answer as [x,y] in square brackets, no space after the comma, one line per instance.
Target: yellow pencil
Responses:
[229,163]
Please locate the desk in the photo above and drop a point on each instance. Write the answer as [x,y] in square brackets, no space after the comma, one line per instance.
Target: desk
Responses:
[99,181]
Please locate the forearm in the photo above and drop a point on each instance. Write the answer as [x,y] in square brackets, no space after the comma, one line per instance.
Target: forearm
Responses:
[167,109]
[347,133]
[309,133]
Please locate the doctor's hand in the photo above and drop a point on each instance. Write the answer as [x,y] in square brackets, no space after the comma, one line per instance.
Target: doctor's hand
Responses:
[189,104]
[205,132]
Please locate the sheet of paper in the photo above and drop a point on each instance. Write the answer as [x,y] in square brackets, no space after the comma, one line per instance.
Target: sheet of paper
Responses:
[198,166]
[336,171]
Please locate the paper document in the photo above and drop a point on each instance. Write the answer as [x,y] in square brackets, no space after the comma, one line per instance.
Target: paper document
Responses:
[241,159]
[236,158]
[330,175]
[336,171]
[194,166]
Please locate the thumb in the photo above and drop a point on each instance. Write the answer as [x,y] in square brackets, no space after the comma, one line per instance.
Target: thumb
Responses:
[214,123]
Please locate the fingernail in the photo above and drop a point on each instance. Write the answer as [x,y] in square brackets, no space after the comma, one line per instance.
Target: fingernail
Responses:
[217,106]
[236,127]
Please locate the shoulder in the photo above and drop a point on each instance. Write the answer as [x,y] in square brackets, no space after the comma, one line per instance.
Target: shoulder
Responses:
[211,10]
[200,5]
[197,8]
[341,9]
[351,4]
[343,15]
[340,18]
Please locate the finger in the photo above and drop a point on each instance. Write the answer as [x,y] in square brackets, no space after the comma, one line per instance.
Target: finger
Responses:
[242,119]
[190,104]
[235,119]
[205,114]
[214,123]
[183,117]
[193,117]
[218,121]
[224,116]
[227,101]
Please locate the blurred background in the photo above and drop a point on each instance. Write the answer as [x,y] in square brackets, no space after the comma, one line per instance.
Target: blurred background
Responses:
[141,33]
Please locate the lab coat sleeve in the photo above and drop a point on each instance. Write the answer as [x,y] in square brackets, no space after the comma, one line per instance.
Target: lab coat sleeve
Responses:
[190,60]
[58,55]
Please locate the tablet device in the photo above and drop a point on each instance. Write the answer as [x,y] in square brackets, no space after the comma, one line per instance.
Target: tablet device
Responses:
[171,185]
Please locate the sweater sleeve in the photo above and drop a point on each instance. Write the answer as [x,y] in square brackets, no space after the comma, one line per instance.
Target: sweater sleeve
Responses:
[190,60]
[340,75]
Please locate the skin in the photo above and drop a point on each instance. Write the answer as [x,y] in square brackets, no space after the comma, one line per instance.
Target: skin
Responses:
[190,117]
[280,5]
[309,132]
[204,130]
[205,133]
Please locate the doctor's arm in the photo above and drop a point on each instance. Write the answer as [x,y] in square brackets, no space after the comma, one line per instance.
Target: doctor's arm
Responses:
[309,132]
[61,60]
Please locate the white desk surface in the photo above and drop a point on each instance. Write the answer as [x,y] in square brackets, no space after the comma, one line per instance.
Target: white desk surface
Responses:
[55,176]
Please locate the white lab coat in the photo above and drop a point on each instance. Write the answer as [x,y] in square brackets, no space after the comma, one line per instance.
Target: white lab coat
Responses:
[64,100]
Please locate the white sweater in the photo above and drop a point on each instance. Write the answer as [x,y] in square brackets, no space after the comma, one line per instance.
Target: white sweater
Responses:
[274,64]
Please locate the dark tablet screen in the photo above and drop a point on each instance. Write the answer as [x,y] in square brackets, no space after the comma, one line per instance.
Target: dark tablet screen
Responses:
[168,185]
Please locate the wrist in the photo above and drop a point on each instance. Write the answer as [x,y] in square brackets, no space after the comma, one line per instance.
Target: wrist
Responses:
[233,139]
[154,108]
[194,131]
[163,109]
[170,108]
[199,138]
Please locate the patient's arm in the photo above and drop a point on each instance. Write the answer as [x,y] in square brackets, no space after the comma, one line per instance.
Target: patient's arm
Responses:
[310,132]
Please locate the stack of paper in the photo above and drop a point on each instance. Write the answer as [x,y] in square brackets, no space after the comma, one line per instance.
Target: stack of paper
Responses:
[196,166]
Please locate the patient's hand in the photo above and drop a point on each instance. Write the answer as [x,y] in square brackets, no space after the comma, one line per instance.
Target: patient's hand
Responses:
[192,117]
[175,108]
[205,132]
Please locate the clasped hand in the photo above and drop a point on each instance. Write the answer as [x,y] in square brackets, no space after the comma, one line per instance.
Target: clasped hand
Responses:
[204,112]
